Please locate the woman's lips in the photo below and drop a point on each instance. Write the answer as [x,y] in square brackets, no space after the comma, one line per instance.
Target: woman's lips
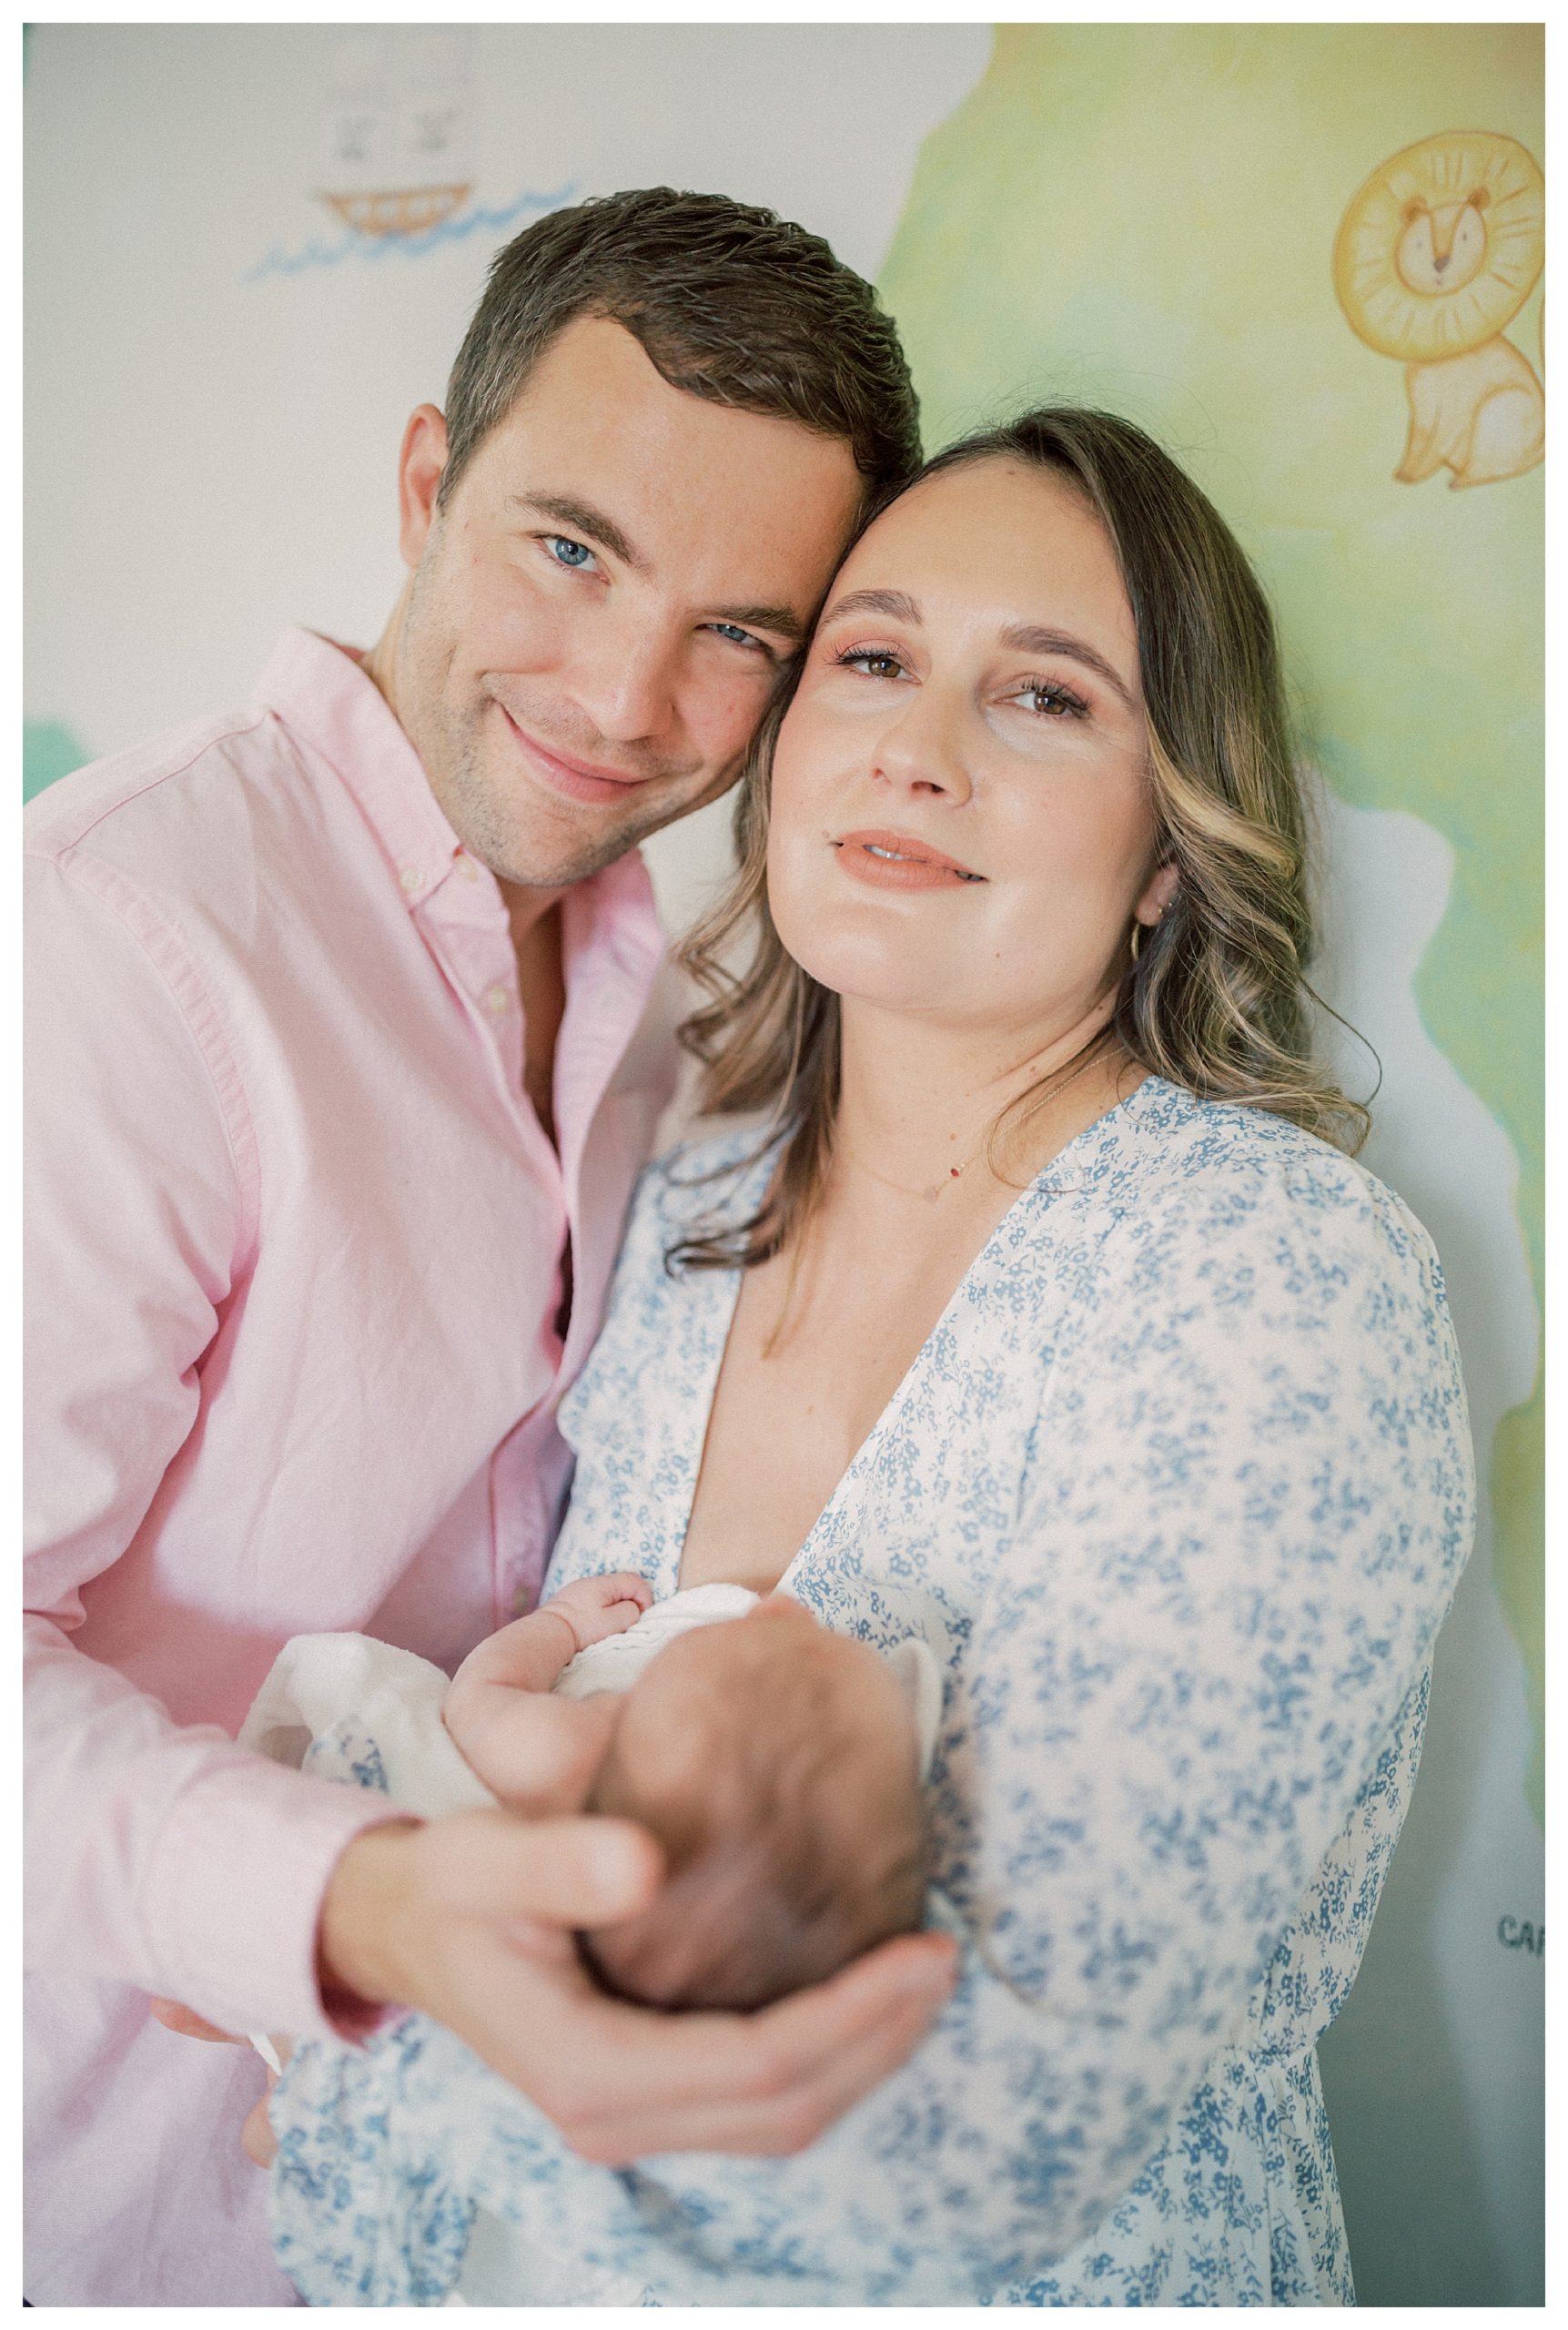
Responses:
[891,861]
[575,779]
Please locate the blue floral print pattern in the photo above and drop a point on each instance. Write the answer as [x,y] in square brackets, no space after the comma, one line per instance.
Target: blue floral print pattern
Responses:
[347,1753]
[1178,1491]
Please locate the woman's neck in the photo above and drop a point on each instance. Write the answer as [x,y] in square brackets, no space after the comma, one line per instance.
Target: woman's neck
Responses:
[918,1105]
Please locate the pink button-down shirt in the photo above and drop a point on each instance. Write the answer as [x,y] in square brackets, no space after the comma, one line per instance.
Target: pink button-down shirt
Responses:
[295,1245]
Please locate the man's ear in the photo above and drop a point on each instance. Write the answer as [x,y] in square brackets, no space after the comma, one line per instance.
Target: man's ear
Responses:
[421,465]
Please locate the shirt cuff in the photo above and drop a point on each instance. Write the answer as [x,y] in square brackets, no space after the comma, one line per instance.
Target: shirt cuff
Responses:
[234,1897]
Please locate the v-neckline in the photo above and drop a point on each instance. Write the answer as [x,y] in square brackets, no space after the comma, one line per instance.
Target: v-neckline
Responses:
[724,1290]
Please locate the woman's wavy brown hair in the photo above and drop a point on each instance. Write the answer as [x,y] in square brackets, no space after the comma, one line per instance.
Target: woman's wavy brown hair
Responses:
[1217,999]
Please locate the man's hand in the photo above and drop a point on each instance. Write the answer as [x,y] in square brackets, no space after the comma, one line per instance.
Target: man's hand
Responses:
[256,2134]
[470,1920]
[174,2017]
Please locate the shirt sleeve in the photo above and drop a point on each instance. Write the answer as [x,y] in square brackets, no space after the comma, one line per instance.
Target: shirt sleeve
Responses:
[157,1855]
[1249,1497]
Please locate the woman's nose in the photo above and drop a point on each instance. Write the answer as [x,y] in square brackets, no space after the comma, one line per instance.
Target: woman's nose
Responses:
[923,751]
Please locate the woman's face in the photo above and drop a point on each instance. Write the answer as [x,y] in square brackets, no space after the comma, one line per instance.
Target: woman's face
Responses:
[960,822]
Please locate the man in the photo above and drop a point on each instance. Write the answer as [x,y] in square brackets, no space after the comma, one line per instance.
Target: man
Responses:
[342,1062]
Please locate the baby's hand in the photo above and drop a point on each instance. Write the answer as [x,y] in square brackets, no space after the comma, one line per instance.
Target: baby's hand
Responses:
[525,1745]
[597,1607]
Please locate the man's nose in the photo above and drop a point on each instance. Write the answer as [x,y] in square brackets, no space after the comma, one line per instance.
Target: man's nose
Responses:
[625,678]
[922,751]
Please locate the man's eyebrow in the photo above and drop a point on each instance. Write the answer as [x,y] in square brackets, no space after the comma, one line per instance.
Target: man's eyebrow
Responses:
[896,603]
[582,518]
[1033,640]
[785,622]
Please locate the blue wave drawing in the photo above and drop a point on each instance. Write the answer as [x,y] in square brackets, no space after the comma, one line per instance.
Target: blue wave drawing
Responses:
[354,245]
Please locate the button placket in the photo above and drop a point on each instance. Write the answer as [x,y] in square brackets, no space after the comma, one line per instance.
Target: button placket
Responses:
[472,937]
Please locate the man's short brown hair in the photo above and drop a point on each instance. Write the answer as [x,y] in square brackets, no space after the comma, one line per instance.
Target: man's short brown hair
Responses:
[728,302]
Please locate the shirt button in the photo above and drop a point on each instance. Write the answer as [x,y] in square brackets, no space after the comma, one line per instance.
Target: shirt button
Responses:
[408,879]
[497,999]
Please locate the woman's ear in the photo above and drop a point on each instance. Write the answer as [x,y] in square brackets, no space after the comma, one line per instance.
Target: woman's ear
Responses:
[1158,891]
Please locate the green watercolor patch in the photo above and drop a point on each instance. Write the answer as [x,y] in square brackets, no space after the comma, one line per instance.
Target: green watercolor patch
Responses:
[48,751]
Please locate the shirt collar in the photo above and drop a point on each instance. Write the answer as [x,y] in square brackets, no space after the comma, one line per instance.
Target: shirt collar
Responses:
[318,689]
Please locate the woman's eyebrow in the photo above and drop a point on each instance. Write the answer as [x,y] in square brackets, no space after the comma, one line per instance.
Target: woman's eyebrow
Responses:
[1033,640]
[896,603]
[1029,637]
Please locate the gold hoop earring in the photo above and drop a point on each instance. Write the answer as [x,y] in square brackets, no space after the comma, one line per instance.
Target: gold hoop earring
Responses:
[1137,931]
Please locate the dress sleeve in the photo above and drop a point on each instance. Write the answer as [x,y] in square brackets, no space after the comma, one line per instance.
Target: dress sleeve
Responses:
[1248,1498]
[157,1855]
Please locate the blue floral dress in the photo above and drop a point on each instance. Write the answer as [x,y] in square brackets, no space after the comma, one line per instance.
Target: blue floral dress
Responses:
[1179,1490]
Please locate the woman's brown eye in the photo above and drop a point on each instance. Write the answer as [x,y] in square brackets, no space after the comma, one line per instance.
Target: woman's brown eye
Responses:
[1060,702]
[866,660]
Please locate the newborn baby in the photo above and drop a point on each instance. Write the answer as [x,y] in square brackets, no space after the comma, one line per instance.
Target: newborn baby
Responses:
[777,1764]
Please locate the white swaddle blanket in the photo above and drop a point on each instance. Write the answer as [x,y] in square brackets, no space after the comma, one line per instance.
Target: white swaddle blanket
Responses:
[368,1714]
[364,1711]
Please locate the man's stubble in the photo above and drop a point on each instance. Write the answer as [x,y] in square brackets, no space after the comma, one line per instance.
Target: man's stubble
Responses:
[505,820]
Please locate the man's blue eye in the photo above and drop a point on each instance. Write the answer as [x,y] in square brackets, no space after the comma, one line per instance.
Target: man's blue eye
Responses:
[566,553]
[732,631]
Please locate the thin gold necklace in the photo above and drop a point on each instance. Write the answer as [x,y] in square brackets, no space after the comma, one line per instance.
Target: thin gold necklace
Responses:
[774,1340]
[934,1189]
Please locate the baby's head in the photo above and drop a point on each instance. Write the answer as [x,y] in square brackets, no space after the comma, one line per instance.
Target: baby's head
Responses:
[777,1764]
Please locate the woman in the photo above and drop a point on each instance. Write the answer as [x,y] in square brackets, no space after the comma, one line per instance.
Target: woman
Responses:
[1044,1316]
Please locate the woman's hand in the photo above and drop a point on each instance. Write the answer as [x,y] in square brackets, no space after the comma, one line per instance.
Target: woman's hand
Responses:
[470,1920]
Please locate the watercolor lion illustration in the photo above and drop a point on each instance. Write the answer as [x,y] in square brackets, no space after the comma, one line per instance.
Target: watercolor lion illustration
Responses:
[1438,251]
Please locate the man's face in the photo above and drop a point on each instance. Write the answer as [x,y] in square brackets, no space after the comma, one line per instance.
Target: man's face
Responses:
[600,613]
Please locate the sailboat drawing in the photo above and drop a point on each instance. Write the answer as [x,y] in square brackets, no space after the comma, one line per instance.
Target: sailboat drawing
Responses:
[396,158]
[399,210]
